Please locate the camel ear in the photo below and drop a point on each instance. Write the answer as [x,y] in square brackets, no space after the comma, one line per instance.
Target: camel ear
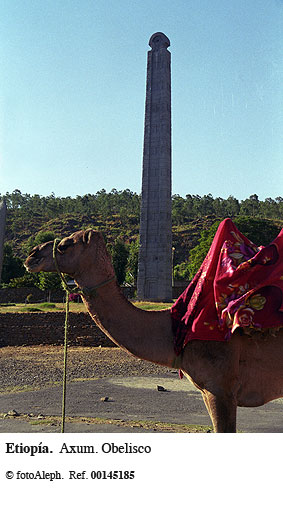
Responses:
[87,236]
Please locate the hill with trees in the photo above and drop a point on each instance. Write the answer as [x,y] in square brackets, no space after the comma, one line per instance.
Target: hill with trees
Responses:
[33,219]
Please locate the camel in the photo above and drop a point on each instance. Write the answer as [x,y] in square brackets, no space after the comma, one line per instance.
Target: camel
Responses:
[245,371]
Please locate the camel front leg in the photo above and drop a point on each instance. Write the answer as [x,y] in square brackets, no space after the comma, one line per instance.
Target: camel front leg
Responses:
[222,410]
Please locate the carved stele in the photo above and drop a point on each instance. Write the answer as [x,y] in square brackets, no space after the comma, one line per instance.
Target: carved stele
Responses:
[155,255]
[3,211]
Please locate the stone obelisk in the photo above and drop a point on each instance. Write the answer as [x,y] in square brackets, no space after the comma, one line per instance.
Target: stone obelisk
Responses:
[155,255]
[3,210]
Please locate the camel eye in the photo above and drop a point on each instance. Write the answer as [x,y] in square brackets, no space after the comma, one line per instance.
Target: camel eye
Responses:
[62,248]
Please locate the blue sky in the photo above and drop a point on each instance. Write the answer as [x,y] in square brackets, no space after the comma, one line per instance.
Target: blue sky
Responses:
[72,92]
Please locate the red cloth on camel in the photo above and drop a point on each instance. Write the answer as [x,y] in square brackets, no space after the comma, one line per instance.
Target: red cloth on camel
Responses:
[238,285]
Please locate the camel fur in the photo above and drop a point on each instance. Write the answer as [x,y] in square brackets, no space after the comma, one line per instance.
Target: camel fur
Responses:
[246,371]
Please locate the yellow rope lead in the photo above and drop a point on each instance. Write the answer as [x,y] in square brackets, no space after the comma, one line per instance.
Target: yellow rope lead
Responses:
[85,292]
[67,307]
[65,363]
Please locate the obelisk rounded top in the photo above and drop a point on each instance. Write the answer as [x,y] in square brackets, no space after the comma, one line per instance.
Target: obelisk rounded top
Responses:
[158,40]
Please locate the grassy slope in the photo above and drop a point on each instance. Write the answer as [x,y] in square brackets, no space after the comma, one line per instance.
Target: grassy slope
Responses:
[185,236]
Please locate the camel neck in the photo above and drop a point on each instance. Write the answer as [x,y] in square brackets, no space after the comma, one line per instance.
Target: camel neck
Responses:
[145,334]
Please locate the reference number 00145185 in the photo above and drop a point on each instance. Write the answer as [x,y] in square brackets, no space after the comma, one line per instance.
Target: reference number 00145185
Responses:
[113,474]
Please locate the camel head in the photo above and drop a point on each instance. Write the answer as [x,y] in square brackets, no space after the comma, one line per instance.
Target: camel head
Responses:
[82,255]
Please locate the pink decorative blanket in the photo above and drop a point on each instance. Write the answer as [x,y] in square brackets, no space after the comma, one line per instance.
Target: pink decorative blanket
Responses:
[238,285]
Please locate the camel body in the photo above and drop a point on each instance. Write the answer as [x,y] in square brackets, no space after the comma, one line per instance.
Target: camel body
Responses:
[246,371]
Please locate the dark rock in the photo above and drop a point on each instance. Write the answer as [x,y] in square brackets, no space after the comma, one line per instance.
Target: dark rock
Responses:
[13,413]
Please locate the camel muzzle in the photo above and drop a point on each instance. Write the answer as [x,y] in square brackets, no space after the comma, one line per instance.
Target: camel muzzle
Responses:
[33,264]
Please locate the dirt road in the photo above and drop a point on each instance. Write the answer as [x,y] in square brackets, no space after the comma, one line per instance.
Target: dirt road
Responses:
[107,390]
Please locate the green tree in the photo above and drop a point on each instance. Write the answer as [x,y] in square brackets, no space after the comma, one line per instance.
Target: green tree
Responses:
[49,282]
[199,252]
[279,207]
[259,231]
[250,206]
[232,207]
[219,207]
[269,208]
[28,280]
[182,271]
[189,207]
[120,254]
[132,262]
[12,265]
[206,205]
[178,210]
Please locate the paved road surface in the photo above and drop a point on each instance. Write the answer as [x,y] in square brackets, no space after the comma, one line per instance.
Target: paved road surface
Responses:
[129,399]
